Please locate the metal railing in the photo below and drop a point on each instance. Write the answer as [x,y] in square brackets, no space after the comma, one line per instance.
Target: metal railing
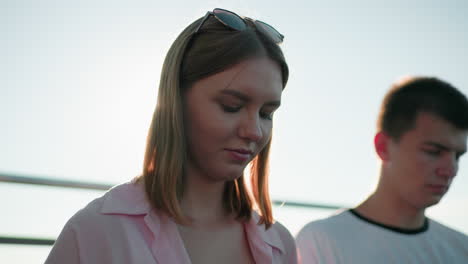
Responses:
[42,181]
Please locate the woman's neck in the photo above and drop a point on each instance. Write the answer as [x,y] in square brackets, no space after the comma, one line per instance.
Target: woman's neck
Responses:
[202,200]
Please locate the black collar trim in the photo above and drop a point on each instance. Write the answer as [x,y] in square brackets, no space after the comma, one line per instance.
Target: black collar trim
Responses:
[412,231]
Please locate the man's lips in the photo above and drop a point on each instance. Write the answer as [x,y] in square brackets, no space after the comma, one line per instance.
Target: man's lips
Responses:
[437,188]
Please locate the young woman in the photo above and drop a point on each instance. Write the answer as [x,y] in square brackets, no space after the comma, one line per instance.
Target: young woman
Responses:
[221,82]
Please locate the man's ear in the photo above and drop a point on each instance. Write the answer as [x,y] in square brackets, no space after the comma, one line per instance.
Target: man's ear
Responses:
[381,144]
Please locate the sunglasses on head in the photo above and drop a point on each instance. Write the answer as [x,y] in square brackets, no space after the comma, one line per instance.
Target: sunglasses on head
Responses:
[234,21]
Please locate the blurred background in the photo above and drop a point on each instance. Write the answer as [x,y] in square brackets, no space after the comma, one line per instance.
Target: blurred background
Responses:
[78,86]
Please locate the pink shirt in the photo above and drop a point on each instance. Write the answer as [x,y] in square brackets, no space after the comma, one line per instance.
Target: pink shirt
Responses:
[121,227]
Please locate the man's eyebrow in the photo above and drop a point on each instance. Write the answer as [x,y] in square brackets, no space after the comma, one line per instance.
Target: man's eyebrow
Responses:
[244,97]
[443,147]
[275,103]
[435,144]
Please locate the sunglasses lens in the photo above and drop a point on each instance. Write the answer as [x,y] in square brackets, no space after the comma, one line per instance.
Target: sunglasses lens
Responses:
[230,19]
[270,31]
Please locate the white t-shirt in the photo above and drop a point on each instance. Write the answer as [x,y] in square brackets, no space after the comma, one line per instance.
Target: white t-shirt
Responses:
[347,237]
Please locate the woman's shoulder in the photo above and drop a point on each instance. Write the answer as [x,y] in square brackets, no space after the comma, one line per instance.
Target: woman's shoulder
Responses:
[289,244]
[276,230]
[283,232]
[278,236]
[102,226]
[285,236]
[124,199]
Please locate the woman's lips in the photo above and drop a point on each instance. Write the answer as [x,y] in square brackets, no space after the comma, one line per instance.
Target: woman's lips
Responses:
[241,155]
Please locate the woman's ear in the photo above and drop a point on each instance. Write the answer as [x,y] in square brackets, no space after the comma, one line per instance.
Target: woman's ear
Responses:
[381,144]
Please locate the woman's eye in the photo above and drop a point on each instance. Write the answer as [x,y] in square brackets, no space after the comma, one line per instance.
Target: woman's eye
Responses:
[230,109]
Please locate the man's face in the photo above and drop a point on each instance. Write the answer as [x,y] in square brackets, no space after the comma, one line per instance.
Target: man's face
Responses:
[423,163]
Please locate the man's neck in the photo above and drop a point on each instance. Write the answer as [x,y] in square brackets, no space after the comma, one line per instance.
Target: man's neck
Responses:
[390,212]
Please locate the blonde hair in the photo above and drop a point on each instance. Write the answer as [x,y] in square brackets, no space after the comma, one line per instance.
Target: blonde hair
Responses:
[190,58]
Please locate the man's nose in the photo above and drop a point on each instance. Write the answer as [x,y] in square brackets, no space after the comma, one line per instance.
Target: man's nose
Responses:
[448,167]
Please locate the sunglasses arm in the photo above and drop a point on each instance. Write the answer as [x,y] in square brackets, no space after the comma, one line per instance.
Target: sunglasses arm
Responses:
[205,18]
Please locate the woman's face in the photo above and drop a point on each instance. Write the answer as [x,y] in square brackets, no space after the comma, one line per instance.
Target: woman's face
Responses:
[228,118]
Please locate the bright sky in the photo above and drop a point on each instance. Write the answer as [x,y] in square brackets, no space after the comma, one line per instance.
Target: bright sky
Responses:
[78,85]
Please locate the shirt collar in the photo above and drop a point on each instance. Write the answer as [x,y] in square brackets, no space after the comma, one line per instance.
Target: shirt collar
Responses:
[130,199]
[258,233]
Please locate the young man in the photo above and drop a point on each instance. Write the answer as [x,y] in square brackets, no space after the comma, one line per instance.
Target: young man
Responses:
[422,132]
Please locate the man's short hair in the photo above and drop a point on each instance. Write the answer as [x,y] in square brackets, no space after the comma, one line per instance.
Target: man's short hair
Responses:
[411,96]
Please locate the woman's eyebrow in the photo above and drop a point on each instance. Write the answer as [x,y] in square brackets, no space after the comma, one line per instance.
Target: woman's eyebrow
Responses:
[235,93]
[244,97]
